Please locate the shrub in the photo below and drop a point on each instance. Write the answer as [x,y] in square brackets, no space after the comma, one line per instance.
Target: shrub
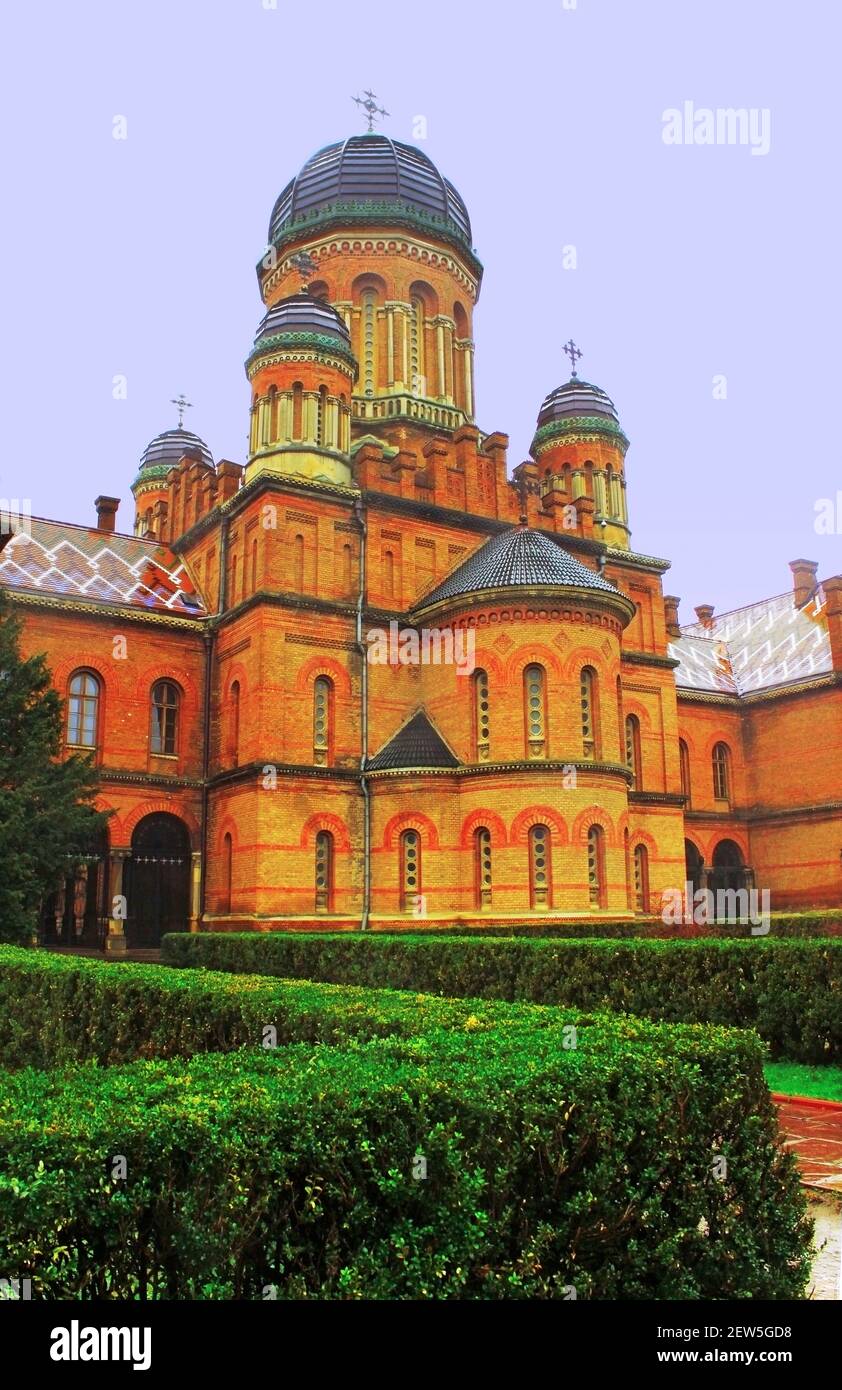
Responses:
[546,1168]
[789,991]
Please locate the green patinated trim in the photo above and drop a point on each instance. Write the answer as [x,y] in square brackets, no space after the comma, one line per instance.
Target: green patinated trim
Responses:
[324,343]
[149,475]
[388,212]
[583,426]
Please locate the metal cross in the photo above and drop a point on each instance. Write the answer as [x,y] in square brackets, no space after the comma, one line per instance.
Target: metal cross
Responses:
[371,108]
[306,267]
[573,353]
[181,404]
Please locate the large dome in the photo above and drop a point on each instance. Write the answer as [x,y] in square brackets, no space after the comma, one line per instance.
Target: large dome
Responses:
[576,397]
[164,451]
[368,175]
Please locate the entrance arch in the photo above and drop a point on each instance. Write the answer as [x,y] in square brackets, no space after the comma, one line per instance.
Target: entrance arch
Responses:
[728,868]
[157,879]
[694,864]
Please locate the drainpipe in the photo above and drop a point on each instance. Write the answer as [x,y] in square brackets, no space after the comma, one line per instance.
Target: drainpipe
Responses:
[210,647]
[359,517]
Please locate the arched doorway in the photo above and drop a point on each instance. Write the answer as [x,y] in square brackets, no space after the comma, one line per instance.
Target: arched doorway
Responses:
[157,880]
[728,869]
[694,864]
[75,914]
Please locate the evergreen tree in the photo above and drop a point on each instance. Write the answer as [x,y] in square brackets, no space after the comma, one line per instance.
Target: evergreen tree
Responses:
[46,813]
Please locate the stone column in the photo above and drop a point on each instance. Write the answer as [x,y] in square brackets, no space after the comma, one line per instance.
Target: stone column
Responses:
[195,889]
[115,942]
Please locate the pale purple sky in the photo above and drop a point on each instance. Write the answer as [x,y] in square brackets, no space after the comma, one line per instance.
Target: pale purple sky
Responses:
[137,257]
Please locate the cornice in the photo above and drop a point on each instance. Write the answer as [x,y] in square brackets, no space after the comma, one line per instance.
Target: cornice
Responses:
[584,427]
[755,697]
[120,777]
[665,663]
[300,347]
[370,214]
[553,600]
[643,798]
[125,613]
[641,562]
[531,765]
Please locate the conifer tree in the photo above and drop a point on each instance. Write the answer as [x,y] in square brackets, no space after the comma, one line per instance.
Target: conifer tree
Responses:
[46,811]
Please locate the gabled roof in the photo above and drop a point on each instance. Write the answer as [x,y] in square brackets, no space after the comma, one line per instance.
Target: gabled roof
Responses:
[417,744]
[519,558]
[768,644]
[80,562]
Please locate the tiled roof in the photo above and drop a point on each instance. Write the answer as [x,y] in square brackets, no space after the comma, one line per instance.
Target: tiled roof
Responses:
[417,744]
[517,558]
[767,644]
[52,557]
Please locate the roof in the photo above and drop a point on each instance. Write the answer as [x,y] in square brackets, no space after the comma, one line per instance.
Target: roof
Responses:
[53,557]
[519,558]
[767,644]
[370,168]
[577,397]
[165,450]
[417,744]
[298,320]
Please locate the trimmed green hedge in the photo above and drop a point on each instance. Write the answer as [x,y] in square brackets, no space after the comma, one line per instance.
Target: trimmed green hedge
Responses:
[789,991]
[597,1168]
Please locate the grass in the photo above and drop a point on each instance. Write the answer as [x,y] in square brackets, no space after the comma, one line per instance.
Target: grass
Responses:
[798,1079]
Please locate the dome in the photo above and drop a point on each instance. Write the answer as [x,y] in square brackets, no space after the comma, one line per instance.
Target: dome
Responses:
[371,175]
[301,319]
[164,451]
[519,558]
[576,397]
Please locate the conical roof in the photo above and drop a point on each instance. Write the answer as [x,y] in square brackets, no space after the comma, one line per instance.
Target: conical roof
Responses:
[417,744]
[520,558]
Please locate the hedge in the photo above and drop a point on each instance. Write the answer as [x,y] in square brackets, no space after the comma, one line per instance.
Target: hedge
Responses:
[295,1173]
[789,991]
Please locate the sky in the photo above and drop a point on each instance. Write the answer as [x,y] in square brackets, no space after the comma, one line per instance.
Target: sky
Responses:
[701,280]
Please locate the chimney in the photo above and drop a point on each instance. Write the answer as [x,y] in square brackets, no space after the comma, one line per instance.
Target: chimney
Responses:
[803,580]
[106,512]
[671,615]
[704,613]
[833,612]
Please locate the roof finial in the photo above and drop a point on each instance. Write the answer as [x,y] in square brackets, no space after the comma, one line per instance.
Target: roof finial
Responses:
[181,404]
[573,353]
[306,267]
[371,108]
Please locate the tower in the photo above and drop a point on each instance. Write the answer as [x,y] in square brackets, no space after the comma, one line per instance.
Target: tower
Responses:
[390,238]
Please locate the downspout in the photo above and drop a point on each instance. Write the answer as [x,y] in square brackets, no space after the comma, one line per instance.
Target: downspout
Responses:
[210,648]
[359,517]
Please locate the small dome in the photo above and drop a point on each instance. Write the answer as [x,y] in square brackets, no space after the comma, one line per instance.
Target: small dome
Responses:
[576,397]
[164,451]
[368,175]
[301,313]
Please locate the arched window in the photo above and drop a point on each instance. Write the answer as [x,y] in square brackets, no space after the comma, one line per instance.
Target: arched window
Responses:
[535,711]
[596,866]
[633,750]
[389,573]
[324,871]
[540,867]
[417,358]
[482,721]
[609,491]
[321,415]
[232,579]
[165,702]
[234,723]
[368,352]
[323,722]
[627,863]
[641,878]
[83,692]
[254,566]
[684,763]
[298,564]
[482,867]
[588,478]
[227,872]
[297,410]
[722,772]
[566,478]
[588,693]
[410,872]
[272,416]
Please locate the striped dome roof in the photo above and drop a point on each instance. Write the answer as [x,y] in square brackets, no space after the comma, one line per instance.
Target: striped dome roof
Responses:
[370,169]
[165,450]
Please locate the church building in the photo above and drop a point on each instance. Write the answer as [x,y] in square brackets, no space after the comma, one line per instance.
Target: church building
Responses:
[370,678]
